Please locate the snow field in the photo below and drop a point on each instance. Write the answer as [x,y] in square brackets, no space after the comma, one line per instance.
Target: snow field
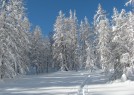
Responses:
[59,83]
[66,83]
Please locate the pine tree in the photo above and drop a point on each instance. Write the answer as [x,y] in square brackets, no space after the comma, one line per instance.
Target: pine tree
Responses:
[36,49]
[73,41]
[48,60]
[86,43]
[13,37]
[102,29]
[120,41]
[66,41]
[59,41]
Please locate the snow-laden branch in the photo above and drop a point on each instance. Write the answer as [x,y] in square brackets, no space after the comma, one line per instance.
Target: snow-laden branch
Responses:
[130,2]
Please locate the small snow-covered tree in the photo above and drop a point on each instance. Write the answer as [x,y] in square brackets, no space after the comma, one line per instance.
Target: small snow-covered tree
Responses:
[40,53]
[36,50]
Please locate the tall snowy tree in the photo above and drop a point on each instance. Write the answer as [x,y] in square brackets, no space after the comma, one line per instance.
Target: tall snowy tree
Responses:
[120,41]
[59,41]
[130,32]
[65,41]
[82,44]
[86,44]
[72,40]
[13,37]
[102,28]
[48,58]
[130,29]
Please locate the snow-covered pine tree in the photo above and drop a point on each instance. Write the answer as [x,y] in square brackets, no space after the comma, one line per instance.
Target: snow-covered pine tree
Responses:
[13,38]
[120,41]
[102,29]
[72,40]
[21,27]
[86,44]
[65,44]
[82,45]
[37,51]
[48,60]
[130,30]
[59,42]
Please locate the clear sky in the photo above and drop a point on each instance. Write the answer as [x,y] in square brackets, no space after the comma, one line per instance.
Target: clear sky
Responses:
[44,12]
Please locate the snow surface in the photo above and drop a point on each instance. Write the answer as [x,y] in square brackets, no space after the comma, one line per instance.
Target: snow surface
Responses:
[59,83]
[66,83]
[99,84]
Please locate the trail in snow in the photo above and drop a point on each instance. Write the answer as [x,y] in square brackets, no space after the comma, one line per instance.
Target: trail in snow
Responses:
[66,83]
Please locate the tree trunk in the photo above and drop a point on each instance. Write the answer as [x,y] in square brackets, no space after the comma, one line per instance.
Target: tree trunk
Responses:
[118,69]
[47,65]
[1,77]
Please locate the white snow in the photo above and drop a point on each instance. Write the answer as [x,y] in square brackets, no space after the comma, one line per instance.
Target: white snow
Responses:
[98,85]
[123,78]
[59,83]
[66,83]
[119,88]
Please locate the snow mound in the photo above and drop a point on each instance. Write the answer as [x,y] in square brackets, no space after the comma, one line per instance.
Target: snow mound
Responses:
[123,78]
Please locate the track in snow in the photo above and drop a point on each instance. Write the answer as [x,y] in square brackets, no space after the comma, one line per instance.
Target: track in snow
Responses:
[66,83]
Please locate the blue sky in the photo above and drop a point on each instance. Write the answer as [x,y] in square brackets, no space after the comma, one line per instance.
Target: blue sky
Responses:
[44,12]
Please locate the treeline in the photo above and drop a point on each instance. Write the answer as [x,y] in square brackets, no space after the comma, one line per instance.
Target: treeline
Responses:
[106,44]
[21,51]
